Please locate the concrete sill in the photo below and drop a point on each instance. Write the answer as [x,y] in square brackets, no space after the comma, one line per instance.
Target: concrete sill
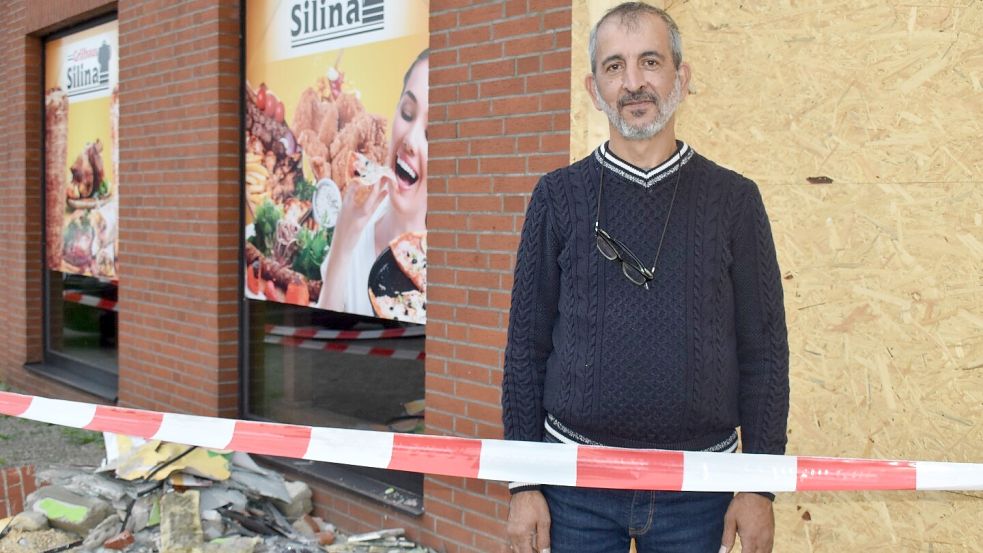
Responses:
[101,384]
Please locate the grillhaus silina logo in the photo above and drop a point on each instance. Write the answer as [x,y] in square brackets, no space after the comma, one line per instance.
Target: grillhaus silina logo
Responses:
[87,70]
[314,21]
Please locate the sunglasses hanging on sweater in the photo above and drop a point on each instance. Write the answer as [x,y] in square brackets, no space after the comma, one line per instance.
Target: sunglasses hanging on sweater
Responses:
[614,250]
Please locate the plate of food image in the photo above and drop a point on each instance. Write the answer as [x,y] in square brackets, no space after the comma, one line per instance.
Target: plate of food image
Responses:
[397,280]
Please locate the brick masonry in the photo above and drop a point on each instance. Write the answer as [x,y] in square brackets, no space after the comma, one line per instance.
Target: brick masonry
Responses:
[499,114]
[20,163]
[16,483]
[179,206]
[499,118]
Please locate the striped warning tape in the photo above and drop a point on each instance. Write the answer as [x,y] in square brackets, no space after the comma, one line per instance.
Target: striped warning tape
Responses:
[560,464]
[345,348]
[322,334]
[92,301]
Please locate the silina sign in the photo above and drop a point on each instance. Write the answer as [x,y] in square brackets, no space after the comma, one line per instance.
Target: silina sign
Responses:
[315,21]
[87,70]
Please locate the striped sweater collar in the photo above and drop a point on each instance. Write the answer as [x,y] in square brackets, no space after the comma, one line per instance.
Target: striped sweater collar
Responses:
[643,177]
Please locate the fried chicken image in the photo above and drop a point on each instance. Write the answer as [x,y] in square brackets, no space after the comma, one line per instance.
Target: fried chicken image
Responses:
[366,134]
[321,166]
[307,115]
[311,144]
[349,107]
[316,152]
[316,113]
[328,127]
[316,126]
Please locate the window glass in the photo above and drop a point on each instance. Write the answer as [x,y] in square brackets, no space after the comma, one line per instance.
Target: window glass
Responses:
[335,115]
[321,368]
[82,320]
[81,205]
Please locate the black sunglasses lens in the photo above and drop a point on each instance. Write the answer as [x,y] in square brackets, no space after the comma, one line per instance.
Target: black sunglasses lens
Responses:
[606,248]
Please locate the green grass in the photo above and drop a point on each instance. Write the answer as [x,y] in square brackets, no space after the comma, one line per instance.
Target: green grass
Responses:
[77,436]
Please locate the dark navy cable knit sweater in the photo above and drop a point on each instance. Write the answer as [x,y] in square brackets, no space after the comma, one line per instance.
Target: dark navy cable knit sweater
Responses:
[675,366]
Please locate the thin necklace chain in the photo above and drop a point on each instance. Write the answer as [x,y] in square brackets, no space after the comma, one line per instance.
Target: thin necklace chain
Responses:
[672,202]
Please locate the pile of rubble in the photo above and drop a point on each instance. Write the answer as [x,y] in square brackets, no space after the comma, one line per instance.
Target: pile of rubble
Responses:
[168,498]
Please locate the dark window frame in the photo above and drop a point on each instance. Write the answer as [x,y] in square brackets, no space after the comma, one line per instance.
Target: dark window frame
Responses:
[56,365]
[361,481]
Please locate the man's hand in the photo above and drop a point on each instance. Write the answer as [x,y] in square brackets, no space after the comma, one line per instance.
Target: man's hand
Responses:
[750,516]
[529,523]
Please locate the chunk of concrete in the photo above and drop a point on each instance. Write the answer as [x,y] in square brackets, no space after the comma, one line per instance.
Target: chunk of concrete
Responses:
[29,521]
[300,501]
[212,524]
[69,511]
[104,531]
[180,523]
[233,544]
[268,484]
[221,496]
[141,512]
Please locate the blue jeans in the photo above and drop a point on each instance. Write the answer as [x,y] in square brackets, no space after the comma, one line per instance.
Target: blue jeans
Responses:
[586,520]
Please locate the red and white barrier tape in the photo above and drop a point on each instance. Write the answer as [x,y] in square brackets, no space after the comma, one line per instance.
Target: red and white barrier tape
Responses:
[559,464]
[345,348]
[321,334]
[92,301]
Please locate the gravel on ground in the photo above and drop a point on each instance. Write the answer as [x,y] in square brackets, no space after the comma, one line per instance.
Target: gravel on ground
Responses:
[27,442]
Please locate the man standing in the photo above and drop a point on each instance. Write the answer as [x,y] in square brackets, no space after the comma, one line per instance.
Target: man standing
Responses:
[646,313]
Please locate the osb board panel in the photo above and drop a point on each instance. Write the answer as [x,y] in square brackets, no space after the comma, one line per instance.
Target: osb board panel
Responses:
[884,266]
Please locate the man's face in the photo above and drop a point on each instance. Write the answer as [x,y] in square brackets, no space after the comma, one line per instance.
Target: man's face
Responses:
[636,84]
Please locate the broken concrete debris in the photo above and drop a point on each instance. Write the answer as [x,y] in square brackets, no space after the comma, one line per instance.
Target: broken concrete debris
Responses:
[154,497]
[28,521]
[69,511]
[299,502]
[180,522]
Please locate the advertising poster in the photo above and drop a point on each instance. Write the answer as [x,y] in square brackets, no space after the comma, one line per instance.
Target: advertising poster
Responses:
[81,152]
[335,177]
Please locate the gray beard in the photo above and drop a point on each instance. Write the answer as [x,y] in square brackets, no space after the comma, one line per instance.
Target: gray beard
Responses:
[643,132]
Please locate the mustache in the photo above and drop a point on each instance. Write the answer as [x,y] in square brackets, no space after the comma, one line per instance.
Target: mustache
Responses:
[640,96]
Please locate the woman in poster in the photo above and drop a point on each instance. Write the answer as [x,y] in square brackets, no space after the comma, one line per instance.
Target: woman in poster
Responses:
[397,204]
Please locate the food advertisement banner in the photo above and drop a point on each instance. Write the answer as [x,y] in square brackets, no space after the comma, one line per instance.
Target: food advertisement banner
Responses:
[81,152]
[335,177]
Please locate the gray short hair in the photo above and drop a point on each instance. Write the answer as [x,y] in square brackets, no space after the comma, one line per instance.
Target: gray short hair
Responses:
[628,12]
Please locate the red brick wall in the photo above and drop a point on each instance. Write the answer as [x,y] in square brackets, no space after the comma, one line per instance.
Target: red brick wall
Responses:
[41,18]
[21,191]
[15,485]
[179,206]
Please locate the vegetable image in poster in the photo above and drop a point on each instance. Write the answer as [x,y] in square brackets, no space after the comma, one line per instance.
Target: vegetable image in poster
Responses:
[336,107]
[81,134]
